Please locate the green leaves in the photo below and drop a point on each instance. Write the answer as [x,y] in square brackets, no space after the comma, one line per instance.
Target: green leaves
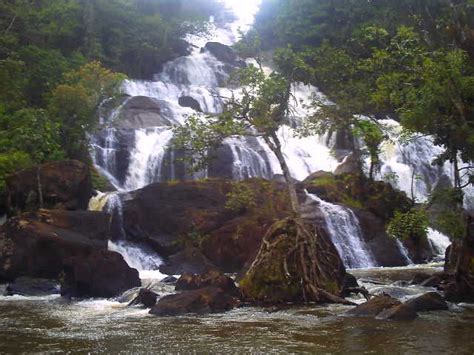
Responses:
[410,225]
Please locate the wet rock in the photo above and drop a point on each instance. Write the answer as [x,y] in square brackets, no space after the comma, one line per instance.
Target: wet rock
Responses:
[350,281]
[144,112]
[188,101]
[65,185]
[27,286]
[169,280]
[36,244]
[374,306]
[210,279]
[201,301]
[102,273]
[222,52]
[189,260]
[399,313]
[350,165]
[431,301]
[145,297]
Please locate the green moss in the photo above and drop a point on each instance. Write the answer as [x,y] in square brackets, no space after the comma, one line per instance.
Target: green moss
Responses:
[99,182]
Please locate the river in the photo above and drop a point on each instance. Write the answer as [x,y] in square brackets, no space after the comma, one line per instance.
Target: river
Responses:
[51,324]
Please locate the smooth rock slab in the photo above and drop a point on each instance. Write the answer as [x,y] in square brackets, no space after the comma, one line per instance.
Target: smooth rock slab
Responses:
[27,286]
[374,307]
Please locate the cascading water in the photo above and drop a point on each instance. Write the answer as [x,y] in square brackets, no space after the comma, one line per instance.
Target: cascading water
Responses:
[199,78]
[438,242]
[346,234]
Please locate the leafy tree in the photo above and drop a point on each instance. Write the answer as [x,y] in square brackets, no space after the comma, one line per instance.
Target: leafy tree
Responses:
[74,104]
[259,109]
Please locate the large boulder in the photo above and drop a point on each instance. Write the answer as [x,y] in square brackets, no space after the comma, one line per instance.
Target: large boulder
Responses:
[400,313]
[102,273]
[192,227]
[201,301]
[222,52]
[37,243]
[143,112]
[188,101]
[64,185]
[213,278]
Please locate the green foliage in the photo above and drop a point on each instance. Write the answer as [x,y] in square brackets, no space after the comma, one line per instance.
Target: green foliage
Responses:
[74,104]
[11,162]
[446,214]
[409,225]
[241,198]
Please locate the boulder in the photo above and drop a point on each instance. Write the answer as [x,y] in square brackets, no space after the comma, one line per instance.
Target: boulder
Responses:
[189,224]
[374,306]
[27,286]
[350,165]
[400,312]
[102,273]
[188,101]
[143,112]
[145,297]
[431,301]
[37,243]
[222,52]
[201,301]
[65,185]
[212,278]
[189,260]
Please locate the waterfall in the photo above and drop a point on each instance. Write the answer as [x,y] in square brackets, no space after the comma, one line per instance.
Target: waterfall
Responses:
[147,157]
[403,251]
[136,256]
[438,242]
[344,229]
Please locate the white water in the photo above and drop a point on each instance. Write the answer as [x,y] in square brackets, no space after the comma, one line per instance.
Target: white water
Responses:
[438,242]
[200,75]
[346,234]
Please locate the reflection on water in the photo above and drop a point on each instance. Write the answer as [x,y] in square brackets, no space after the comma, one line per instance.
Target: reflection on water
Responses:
[52,324]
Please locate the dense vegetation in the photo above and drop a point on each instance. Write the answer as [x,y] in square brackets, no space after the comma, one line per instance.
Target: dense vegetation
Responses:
[60,59]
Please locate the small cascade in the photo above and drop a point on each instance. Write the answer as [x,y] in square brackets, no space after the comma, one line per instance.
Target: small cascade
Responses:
[139,257]
[404,252]
[438,242]
[147,157]
[344,228]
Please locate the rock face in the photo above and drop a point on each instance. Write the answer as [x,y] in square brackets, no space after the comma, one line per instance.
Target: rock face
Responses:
[102,273]
[201,301]
[27,286]
[36,244]
[188,223]
[65,185]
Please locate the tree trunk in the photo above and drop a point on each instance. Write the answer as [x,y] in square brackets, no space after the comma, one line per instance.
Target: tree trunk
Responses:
[275,146]
[40,187]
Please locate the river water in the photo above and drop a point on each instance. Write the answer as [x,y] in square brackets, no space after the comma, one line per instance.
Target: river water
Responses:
[50,324]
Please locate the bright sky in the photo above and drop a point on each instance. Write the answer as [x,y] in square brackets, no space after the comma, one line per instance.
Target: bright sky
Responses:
[244,9]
